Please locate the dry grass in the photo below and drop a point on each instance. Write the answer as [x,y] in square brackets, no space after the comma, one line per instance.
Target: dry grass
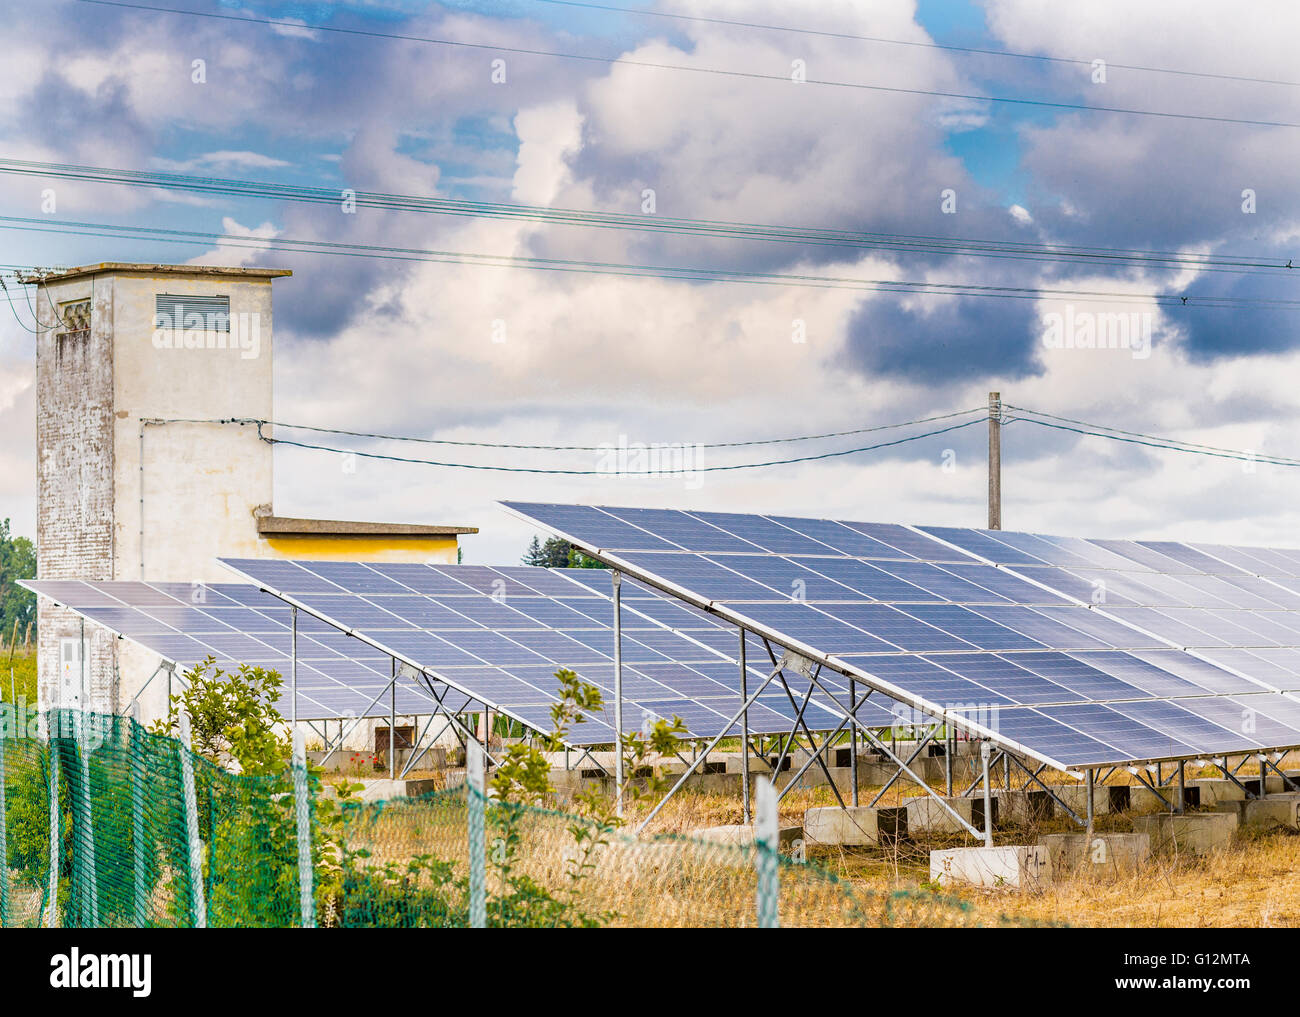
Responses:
[1250,884]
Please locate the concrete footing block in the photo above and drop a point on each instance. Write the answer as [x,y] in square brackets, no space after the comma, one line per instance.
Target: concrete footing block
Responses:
[790,839]
[1107,798]
[1023,808]
[926,815]
[1115,854]
[1196,833]
[855,825]
[1268,813]
[1025,867]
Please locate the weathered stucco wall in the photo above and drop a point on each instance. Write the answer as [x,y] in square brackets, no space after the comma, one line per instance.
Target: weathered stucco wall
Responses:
[201,482]
[74,473]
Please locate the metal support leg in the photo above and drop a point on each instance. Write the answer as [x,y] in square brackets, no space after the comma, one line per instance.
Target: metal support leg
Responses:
[1232,776]
[293,669]
[885,750]
[899,772]
[947,758]
[1286,781]
[985,753]
[744,735]
[1153,789]
[721,734]
[392,725]
[1182,785]
[617,578]
[853,741]
[1092,812]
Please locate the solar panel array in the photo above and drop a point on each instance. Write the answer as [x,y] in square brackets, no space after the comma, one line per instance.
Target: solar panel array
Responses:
[500,634]
[234,623]
[1072,650]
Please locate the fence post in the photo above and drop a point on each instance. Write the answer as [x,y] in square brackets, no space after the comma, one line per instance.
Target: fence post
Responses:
[139,880]
[477,802]
[53,918]
[4,839]
[197,895]
[306,886]
[767,836]
[84,856]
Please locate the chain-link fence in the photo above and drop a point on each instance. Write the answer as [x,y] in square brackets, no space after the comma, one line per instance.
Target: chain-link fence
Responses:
[103,824]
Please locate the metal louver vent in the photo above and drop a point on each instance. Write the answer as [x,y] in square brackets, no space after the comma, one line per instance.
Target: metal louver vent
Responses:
[192,312]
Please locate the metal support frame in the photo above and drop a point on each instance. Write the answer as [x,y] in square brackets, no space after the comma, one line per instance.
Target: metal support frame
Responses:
[616,578]
[881,747]
[1089,823]
[947,757]
[1286,781]
[1151,787]
[788,740]
[420,738]
[982,779]
[985,752]
[293,667]
[1033,776]
[392,724]
[1231,774]
[816,751]
[721,734]
[744,735]
[131,705]
[898,773]
[799,721]
[853,740]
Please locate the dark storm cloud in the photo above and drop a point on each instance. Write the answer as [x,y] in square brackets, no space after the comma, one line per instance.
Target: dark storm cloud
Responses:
[946,340]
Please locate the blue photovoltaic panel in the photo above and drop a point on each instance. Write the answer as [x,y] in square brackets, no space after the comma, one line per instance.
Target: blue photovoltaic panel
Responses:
[1039,622]
[183,623]
[494,636]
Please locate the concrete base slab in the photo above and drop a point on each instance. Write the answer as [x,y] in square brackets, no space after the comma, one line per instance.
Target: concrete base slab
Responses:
[1023,808]
[1219,789]
[1118,854]
[1025,868]
[1107,798]
[789,838]
[860,825]
[1268,813]
[1194,833]
[926,815]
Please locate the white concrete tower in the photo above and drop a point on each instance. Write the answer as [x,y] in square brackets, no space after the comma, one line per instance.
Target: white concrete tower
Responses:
[128,487]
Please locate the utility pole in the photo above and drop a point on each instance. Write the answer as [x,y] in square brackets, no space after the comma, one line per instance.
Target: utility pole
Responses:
[995,460]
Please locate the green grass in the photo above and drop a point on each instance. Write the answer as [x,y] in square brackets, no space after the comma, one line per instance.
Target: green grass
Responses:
[22,669]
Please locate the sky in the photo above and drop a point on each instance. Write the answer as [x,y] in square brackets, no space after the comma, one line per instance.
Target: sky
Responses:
[327,97]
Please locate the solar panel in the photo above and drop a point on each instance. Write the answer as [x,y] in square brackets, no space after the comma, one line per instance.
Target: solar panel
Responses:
[1095,651]
[496,637]
[185,624]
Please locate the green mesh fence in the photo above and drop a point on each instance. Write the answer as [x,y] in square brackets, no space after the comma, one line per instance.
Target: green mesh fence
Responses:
[146,833]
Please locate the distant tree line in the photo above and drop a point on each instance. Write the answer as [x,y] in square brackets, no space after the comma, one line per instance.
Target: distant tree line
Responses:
[17,605]
[558,554]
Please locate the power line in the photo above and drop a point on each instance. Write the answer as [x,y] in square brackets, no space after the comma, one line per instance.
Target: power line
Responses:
[600,448]
[677,273]
[624,473]
[622,60]
[10,300]
[1153,441]
[648,13]
[739,230]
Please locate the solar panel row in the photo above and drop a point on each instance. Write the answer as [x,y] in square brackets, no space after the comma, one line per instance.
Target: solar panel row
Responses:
[1015,622]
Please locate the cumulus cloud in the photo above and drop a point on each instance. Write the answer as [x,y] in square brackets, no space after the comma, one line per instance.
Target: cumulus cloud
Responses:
[479,353]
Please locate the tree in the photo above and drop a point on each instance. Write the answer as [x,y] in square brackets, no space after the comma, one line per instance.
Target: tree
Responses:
[17,561]
[558,554]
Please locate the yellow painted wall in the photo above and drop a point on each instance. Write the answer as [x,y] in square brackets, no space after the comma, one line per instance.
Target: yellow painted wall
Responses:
[362,548]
